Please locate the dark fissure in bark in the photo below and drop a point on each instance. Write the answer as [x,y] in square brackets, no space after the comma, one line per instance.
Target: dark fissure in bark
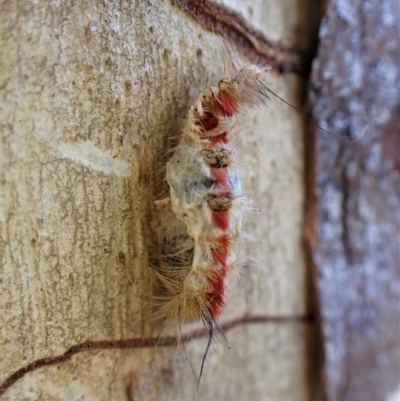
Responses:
[231,25]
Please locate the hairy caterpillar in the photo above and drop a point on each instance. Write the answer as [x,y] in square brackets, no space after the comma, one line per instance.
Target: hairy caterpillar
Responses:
[204,235]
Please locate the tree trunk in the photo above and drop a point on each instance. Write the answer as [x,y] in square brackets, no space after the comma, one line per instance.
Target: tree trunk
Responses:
[91,95]
[355,82]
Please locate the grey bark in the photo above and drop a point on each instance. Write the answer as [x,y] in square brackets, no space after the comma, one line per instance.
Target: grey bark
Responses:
[355,82]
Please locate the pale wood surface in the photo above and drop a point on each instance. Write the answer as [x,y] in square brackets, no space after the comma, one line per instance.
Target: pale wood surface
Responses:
[90,94]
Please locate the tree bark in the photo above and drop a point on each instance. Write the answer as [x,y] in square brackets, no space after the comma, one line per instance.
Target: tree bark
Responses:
[355,82]
[91,95]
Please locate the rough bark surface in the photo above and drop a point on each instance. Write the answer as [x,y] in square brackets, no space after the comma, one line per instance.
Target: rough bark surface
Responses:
[356,81]
[91,94]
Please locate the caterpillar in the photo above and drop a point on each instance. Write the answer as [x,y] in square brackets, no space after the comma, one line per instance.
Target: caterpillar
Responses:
[202,232]
[206,205]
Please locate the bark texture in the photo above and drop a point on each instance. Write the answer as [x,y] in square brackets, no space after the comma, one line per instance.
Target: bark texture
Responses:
[91,94]
[356,81]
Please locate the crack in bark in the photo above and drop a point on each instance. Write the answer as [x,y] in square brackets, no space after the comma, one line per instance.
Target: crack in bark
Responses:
[316,378]
[231,25]
[143,343]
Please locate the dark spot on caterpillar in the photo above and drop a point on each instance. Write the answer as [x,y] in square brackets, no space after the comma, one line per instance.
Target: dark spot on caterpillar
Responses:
[208,182]
[202,185]
[217,158]
[219,203]
[225,81]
